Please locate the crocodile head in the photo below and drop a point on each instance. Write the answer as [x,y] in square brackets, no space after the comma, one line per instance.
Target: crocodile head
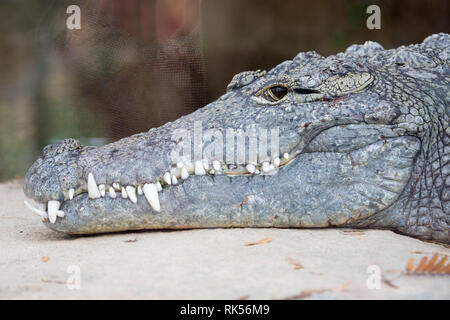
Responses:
[356,139]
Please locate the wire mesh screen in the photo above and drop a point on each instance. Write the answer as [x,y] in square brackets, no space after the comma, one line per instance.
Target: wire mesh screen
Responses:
[137,64]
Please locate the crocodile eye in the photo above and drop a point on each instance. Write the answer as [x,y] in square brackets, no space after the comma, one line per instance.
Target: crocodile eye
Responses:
[275,93]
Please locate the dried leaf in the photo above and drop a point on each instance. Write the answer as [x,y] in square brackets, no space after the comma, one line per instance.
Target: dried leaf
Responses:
[308,293]
[301,295]
[440,264]
[421,265]
[444,269]
[45,259]
[428,253]
[353,232]
[268,239]
[389,283]
[131,240]
[244,297]
[432,266]
[410,265]
[297,265]
[430,263]
[53,281]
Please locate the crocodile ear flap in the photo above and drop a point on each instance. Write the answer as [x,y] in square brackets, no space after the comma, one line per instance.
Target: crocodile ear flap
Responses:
[244,78]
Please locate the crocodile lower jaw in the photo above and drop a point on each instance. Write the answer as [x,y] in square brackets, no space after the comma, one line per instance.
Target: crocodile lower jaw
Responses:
[49,211]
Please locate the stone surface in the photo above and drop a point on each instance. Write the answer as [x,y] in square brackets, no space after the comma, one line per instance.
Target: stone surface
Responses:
[206,264]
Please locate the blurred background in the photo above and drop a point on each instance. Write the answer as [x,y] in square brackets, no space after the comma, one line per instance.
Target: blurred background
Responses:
[137,64]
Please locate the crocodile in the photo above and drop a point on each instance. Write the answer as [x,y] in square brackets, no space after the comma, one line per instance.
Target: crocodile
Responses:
[360,139]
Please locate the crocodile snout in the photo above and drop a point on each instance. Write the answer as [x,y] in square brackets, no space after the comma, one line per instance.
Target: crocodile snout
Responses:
[55,172]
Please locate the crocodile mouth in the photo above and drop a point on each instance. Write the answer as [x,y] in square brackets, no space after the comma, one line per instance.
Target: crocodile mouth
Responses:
[189,186]
[50,210]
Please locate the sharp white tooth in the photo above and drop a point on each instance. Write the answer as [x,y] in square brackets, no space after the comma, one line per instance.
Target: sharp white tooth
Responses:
[212,171]
[102,189]
[199,170]
[71,193]
[139,191]
[151,194]
[189,166]
[158,186]
[180,164]
[184,173]
[167,178]
[265,167]
[286,155]
[39,212]
[93,191]
[116,186]
[205,164]
[53,210]
[276,162]
[131,192]
[112,193]
[174,180]
[257,171]
[53,205]
[124,193]
[271,167]
[216,165]
[250,168]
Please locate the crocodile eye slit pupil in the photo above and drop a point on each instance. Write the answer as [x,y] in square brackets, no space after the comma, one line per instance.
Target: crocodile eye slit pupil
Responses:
[277,92]
[305,91]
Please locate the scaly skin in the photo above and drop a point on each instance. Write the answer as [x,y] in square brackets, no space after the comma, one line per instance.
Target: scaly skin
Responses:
[366,132]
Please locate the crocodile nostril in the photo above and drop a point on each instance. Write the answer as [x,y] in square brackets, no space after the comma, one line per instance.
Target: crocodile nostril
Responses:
[60,147]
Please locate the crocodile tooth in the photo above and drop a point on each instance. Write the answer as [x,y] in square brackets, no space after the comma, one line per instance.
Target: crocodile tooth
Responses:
[167,178]
[265,167]
[276,162]
[124,193]
[257,171]
[102,189]
[41,213]
[151,194]
[250,168]
[205,164]
[174,180]
[93,191]
[158,186]
[53,210]
[116,186]
[139,191]
[131,192]
[216,165]
[199,170]
[71,193]
[184,173]
[189,167]
[180,164]
[112,193]
[286,155]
